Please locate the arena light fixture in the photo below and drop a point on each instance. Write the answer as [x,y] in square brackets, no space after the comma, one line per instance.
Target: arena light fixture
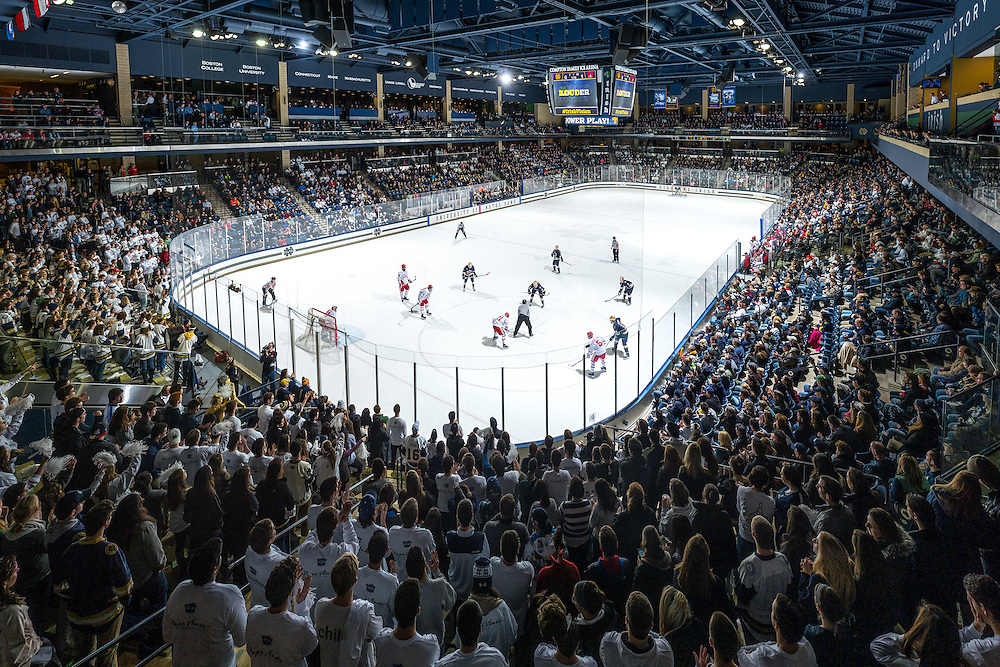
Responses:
[737,22]
[260,40]
[303,44]
[468,72]
[409,63]
[506,79]
[197,32]
[764,46]
[119,7]
[58,2]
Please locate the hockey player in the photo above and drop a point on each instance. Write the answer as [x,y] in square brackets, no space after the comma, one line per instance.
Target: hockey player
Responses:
[595,350]
[625,288]
[500,328]
[269,289]
[329,326]
[422,298]
[404,283]
[614,250]
[461,229]
[620,334]
[469,273]
[556,258]
[536,288]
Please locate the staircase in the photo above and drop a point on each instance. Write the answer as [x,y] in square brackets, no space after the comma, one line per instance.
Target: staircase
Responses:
[219,203]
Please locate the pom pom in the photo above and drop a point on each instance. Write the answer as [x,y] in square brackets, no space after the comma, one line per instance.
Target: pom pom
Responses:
[104,460]
[134,449]
[55,465]
[43,447]
[161,481]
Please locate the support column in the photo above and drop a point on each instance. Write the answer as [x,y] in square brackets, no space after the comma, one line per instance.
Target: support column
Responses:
[786,103]
[379,97]
[704,104]
[850,101]
[499,106]
[282,94]
[286,160]
[447,101]
[123,84]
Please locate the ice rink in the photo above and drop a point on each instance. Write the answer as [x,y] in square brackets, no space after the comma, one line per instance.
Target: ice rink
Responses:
[667,243]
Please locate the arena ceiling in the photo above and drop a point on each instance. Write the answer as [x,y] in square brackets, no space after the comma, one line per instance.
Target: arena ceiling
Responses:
[688,42]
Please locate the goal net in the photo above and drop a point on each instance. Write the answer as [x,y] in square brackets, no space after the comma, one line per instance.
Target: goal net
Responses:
[319,327]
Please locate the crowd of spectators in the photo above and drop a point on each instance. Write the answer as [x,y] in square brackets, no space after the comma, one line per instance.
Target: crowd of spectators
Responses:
[199,110]
[695,161]
[756,121]
[822,121]
[775,506]
[330,185]
[251,187]
[767,162]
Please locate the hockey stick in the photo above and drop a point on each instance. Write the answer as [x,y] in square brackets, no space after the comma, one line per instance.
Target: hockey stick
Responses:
[480,275]
[566,263]
[613,298]
[573,365]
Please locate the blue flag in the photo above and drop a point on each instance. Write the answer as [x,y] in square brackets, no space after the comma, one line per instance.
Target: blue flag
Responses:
[10,30]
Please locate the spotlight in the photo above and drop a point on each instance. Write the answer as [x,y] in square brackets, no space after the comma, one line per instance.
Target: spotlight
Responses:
[119,7]
[58,2]
[468,72]
[395,62]
[737,22]
[779,61]
[261,41]
[458,69]
[333,53]
[764,46]
[506,78]
[475,73]
[409,63]
[197,31]
[520,77]
[303,45]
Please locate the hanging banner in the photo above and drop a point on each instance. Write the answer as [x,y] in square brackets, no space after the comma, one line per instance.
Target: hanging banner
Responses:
[714,98]
[728,98]
[659,99]
[474,89]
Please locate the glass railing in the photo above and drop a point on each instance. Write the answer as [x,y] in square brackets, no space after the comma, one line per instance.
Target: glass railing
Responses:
[966,170]
[546,391]
[970,422]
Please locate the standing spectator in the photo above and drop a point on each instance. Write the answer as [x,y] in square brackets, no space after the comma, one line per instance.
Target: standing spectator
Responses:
[239,511]
[514,579]
[274,496]
[562,637]
[346,627]
[835,518]
[575,514]
[501,523]
[790,647]
[628,524]
[25,540]
[471,651]
[713,522]
[678,625]
[19,643]
[830,642]
[95,586]
[436,594]
[397,432]
[761,577]
[375,584]
[205,620]
[403,645]
[203,509]
[274,634]
[465,545]
[704,590]
[404,537]
[622,649]
[611,572]
[933,636]
[596,618]
[752,500]
[655,570]
[298,474]
[261,558]
[499,629]
[319,552]
[832,566]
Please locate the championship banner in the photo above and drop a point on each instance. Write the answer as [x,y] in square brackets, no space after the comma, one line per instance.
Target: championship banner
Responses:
[714,98]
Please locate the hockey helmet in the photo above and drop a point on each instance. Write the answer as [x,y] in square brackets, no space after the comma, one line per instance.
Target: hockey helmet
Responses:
[621,277]
[611,319]
[430,287]
[404,266]
[506,314]
[557,247]
[273,278]
[590,334]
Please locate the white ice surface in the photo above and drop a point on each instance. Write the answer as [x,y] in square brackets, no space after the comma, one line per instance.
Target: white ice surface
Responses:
[666,244]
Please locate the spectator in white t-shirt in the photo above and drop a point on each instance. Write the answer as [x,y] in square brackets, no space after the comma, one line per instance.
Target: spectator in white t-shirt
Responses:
[403,538]
[437,596]
[346,627]
[638,646]
[557,480]
[446,481]
[261,557]
[983,594]
[570,463]
[205,620]
[790,648]
[514,579]
[471,652]
[375,584]
[404,646]
[752,499]
[275,635]
[319,552]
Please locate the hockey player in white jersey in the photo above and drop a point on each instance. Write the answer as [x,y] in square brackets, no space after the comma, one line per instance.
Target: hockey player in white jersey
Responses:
[500,328]
[595,350]
[422,298]
[404,280]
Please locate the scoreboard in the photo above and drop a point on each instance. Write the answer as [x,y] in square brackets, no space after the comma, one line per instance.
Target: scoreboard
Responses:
[574,91]
[622,92]
[590,90]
